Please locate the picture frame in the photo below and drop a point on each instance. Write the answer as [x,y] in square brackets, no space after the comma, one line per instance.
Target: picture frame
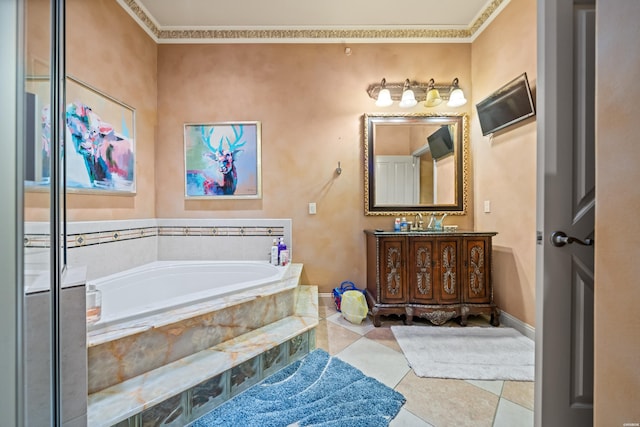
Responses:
[100,140]
[223,160]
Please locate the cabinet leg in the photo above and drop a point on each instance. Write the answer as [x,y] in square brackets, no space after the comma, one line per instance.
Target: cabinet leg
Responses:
[376,321]
[495,318]
[408,317]
[463,320]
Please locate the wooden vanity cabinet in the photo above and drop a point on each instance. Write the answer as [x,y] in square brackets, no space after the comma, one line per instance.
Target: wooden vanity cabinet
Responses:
[437,276]
[393,270]
[421,269]
[433,270]
[477,269]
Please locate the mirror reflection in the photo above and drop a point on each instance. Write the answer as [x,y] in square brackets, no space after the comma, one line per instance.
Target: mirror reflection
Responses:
[415,162]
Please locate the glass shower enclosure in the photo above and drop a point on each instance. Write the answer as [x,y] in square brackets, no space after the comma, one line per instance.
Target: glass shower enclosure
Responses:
[34,353]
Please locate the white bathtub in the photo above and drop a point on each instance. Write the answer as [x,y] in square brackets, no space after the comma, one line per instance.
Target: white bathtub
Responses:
[163,285]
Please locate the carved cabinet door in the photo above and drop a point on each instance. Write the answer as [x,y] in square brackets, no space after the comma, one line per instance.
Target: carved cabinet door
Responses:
[477,281]
[392,270]
[420,270]
[447,270]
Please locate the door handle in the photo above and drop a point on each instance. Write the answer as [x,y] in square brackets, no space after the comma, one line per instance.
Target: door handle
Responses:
[560,238]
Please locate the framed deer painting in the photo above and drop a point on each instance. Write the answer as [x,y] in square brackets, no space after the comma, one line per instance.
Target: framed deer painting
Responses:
[222,160]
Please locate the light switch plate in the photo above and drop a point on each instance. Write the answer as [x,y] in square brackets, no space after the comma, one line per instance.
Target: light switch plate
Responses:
[312,208]
[487,206]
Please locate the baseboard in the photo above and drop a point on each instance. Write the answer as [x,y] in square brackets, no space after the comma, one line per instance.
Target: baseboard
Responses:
[525,329]
[505,319]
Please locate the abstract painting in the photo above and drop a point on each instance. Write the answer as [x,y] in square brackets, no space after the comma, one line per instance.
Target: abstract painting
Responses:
[222,160]
[99,150]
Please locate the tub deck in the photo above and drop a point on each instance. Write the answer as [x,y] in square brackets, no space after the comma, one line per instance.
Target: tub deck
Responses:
[233,357]
[99,334]
[120,352]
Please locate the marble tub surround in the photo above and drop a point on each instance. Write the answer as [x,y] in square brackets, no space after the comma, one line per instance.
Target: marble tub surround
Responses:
[37,369]
[232,365]
[99,335]
[123,351]
[101,248]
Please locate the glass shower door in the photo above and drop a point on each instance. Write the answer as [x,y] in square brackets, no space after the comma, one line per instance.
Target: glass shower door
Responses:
[41,148]
[38,216]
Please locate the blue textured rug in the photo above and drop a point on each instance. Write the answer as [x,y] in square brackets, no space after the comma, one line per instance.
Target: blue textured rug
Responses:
[318,390]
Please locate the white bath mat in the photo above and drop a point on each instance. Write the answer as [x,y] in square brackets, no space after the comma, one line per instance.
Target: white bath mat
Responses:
[470,353]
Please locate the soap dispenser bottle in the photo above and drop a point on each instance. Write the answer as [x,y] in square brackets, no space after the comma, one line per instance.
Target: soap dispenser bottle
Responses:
[94,304]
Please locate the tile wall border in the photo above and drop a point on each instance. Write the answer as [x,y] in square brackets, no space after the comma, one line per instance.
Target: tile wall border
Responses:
[81,234]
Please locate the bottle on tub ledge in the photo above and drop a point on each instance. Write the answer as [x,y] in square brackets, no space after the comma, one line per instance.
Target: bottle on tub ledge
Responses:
[94,304]
[274,252]
[283,253]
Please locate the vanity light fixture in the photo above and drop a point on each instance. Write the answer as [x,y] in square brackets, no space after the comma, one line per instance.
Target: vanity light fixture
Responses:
[430,94]
[384,96]
[456,98]
[433,96]
[408,99]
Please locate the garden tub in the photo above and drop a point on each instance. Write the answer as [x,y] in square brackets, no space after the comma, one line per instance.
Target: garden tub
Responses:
[161,286]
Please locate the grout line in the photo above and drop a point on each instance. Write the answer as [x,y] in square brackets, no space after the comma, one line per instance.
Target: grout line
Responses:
[502,388]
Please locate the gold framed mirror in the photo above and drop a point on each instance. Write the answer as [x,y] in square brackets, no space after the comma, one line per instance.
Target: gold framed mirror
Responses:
[416,162]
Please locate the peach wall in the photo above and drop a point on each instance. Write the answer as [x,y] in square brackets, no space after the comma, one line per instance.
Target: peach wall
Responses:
[106,49]
[505,165]
[37,43]
[617,293]
[393,140]
[37,35]
[310,100]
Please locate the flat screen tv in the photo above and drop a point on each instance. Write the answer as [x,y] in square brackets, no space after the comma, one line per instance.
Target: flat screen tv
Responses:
[440,142]
[508,105]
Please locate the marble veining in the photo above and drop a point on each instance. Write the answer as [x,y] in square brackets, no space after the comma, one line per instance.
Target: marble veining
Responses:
[167,337]
[110,333]
[131,397]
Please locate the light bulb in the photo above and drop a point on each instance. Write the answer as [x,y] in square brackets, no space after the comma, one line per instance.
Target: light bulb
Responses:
[433,98]
[408,99]
[384,98]
[456,99]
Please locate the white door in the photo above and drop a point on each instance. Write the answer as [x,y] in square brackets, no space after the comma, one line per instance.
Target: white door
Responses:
[565,214]
[395,181]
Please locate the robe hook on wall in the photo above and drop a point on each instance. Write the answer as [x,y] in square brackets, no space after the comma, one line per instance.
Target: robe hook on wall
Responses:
[338,169]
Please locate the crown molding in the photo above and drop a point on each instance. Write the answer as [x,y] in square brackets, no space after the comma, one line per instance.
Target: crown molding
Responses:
[311,35]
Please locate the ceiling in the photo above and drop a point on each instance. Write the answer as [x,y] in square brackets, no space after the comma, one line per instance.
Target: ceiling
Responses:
[305,21]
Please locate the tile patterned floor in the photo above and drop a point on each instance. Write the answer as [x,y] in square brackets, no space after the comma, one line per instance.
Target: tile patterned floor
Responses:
[431,402]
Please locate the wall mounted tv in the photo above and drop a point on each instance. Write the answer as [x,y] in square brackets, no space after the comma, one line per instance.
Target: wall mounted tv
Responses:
[440,142]
[508,105]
